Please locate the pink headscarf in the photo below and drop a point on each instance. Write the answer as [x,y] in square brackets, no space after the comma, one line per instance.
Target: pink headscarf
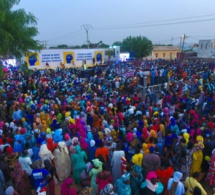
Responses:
[65,189]
[129,136]
[150,175]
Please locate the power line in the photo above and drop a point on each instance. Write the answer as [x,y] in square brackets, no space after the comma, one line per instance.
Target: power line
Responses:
[151,25]
[166,20]
[65,35]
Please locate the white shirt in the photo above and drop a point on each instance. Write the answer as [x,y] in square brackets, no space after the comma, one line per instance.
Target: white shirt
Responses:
[26,164]
[30,152]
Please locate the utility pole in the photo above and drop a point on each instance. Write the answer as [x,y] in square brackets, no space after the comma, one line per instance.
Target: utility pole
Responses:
[183,41]
[44,44]
[87,27]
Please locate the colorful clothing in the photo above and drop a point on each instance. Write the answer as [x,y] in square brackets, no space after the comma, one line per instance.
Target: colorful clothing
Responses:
[210,179]
[21,180]
[78,161]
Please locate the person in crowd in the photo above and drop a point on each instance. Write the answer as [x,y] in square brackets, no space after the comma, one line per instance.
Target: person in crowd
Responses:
[138,157]
[92,150]
[21,181]
[25,162]
[66,187]
[78,161]
[108,189]
[151,161]
[45,153]
[116,163]
[103,178]
[40,175]
[175,186]
[102,151]
[5,169]
[62,161]
[210,178]
[192,182]
[51,182]
[85,178]
[97,168]
[151,186]
[136,179]
[122,185]
[164,173]
[2,183]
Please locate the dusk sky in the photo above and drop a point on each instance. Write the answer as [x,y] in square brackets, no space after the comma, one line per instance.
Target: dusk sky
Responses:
[60,21]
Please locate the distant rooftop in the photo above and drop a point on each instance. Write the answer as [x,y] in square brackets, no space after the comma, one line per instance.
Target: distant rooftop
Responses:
[166,47]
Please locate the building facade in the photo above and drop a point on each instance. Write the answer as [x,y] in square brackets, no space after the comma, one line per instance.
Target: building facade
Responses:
[164,52]
[206,49]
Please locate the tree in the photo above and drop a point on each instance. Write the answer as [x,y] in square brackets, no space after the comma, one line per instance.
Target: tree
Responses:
[17,30]
[110,52]
[1,71]
[117,43]
[139,46]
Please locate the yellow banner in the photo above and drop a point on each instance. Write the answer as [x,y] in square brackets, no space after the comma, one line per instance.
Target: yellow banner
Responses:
[98,56]
[68,57]
[32,59]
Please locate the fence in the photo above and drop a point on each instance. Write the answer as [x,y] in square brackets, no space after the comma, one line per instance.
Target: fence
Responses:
[154,88]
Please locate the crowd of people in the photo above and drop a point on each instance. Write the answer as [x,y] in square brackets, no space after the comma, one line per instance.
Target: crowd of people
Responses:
[97,131]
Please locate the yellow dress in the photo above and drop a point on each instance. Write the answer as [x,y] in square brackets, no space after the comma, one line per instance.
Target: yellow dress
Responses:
[197,162]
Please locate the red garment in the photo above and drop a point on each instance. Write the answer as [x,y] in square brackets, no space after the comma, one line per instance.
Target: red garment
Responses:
[103,178]
[164,176]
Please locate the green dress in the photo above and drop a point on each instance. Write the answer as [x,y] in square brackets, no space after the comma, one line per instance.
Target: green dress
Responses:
[78,161]
[93,173]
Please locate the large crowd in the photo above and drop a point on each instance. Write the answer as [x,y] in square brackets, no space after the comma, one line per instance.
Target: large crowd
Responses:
[97,130]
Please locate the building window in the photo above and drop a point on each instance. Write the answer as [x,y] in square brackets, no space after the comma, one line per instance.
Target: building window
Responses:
[170,55]
[156,55]
[201,45]
[206,46]
[164,55]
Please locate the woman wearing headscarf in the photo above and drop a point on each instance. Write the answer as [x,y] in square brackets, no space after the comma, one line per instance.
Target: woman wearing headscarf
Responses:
[103,178]
[164,173]
[197,159]
[151,186]
[62,161]
[175,186]
[108,190]
[136,179]
[116,163]
[192,182]
[45,153]
[75,142]
[79,162]
[21,181]
[122,185]
[97,168]
[66,187]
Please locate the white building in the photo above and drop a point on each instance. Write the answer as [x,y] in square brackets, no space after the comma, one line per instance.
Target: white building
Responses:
[206,49]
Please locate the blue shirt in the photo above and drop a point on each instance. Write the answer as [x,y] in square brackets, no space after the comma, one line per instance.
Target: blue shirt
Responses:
[39,176]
